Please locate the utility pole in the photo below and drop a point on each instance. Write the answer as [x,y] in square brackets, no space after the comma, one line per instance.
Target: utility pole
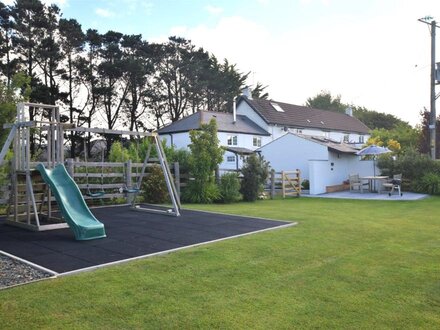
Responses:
[432,118]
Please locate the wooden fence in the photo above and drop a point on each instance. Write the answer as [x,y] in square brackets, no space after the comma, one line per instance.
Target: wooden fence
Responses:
[285,183]
[114,178]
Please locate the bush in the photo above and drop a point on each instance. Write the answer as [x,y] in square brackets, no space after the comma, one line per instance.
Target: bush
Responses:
[305,184]
[413,166]
[428,183]
[229,188]
[206,155]
[255,171]
[154,186]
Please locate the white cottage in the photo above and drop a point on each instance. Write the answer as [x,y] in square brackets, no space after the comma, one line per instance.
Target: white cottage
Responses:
[289,136]
[238,134]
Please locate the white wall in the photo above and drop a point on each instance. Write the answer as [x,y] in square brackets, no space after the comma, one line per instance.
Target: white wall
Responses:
[244,109]
[323,173]
[179,140]
[291,152]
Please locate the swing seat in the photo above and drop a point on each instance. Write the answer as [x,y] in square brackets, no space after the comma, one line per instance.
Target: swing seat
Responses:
[96,194]
[131,191]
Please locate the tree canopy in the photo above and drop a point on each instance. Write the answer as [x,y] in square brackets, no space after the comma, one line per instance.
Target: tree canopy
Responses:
[110,79]
[373,119]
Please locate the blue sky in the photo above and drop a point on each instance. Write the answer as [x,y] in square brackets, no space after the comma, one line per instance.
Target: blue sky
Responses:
[374,53]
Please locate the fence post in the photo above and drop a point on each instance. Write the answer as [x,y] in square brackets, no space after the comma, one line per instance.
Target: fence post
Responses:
[70,167]
[177,177]
[272,184]
[283,186]
[128,181]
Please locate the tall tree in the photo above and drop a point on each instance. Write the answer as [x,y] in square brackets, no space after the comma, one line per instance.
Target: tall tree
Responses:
[8,64]
[258,91]
[48,54]
[29,20]
[373,119]
[137,68]
[72,41]
[325,101]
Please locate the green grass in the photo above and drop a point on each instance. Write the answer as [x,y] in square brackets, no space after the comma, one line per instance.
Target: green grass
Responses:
[347,264]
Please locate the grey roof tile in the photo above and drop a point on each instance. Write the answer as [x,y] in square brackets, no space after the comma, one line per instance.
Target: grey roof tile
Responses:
[304,117]
[225,123]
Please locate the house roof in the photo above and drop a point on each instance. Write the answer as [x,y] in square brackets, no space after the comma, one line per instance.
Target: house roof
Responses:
[332,145]
[225,123]
[304,117]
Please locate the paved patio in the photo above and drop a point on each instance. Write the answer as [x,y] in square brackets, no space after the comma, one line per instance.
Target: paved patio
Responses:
[407,196]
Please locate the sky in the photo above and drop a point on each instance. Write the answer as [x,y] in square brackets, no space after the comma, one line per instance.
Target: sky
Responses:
[373,53]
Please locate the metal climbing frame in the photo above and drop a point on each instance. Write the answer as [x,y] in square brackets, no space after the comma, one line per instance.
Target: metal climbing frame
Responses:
[172,191]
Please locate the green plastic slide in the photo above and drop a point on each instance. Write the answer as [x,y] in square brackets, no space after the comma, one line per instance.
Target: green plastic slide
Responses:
[73,207]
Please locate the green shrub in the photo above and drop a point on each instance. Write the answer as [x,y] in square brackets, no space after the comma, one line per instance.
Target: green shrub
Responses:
[229,188]
[205,156]
[305,184]
[429,183]
[255,171]
[154,188]
[413,166]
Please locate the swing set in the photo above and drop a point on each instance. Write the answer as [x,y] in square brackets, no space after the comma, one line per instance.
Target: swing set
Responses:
[26,207]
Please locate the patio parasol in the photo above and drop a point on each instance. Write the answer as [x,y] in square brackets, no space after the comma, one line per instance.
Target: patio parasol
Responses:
[373,150]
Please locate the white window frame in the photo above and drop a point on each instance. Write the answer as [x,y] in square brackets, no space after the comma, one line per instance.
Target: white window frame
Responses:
[232,140]
[230,159]
[256,141]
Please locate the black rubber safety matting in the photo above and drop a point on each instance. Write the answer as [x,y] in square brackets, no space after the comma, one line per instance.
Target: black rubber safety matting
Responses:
[129,234]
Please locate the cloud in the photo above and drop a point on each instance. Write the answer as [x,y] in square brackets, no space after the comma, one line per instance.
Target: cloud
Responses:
[365,59]
[213,10]
[104,12]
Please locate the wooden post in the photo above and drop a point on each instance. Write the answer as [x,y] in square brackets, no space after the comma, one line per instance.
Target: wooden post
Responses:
[298,174]
[177,177]
[283,187]
[128,181]
[70,167]
[272,184]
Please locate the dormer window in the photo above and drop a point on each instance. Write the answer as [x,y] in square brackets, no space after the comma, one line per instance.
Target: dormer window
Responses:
[277,107]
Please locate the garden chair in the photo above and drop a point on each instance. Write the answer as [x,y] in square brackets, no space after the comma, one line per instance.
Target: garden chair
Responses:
[356,183]
[394,185]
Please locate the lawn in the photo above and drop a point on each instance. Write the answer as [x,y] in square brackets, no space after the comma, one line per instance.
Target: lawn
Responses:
[347,264]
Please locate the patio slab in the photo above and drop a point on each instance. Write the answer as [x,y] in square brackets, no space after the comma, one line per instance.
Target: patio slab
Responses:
[407,196]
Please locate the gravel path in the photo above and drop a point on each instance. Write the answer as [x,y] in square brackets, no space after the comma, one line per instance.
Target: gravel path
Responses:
[13,272]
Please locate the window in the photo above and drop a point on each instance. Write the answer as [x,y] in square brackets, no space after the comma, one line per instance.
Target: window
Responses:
[230,158]
[346,138]
[256,141]
[277,107]
[232,140]
[361,139]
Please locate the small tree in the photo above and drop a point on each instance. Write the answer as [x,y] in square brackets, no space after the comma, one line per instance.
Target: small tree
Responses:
[206,155]
[229,188]
[255,172]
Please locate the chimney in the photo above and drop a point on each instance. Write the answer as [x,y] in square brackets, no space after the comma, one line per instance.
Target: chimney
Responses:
[234,108]
[247,91]
[349,111]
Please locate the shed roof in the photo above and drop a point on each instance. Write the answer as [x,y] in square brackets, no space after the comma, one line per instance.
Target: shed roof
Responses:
[290,115]
[332,145]
[225,123]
